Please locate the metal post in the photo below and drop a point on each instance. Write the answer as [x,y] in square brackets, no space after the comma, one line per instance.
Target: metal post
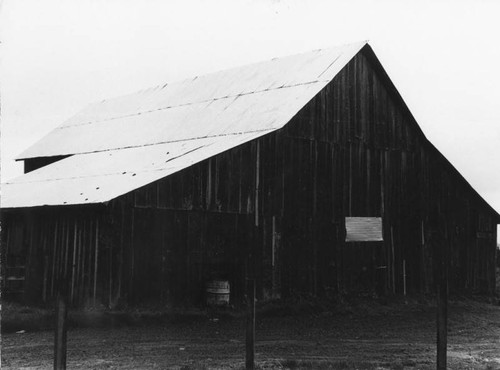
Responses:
[250,332]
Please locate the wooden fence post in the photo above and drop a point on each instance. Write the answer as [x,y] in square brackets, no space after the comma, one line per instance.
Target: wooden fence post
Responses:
[250,331]
[61,329]
[442,298]
[442,322]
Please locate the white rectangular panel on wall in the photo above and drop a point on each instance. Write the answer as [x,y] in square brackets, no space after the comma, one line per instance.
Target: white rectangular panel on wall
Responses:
[363,229]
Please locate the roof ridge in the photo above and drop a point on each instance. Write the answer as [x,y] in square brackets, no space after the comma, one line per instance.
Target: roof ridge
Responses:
[257,89]
[191,103]
[236,67]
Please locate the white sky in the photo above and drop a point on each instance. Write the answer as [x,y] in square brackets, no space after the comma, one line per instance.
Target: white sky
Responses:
[443,56]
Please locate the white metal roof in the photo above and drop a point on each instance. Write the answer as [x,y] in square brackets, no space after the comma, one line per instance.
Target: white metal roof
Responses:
[101,176]
[121,144]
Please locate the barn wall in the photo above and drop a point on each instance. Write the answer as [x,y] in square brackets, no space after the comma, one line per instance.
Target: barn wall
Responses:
[171,254]
[382,165]
[53,248]
[224,183]
[275,208]
[354,150]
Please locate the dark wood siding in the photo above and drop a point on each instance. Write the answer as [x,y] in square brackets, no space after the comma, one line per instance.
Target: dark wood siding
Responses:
[275,208]
[57,246]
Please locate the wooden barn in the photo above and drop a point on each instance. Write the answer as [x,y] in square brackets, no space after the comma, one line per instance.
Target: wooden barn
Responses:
[307,172]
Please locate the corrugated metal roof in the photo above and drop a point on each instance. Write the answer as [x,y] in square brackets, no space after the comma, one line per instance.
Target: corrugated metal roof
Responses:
[121,144]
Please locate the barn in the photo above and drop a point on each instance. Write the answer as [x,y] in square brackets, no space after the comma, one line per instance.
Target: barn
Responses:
[308,173]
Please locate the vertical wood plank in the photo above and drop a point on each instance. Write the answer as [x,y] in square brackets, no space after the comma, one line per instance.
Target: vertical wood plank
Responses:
[393,273]
[250,327]
[54,260]
[122,247]
[132,252]
[257,183]
[110,256]
[66,250]
[96,256]
[73,265]
[45,262]
[90,249]
[79,263]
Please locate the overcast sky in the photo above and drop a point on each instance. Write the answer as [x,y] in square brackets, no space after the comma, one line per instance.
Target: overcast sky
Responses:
[443,56]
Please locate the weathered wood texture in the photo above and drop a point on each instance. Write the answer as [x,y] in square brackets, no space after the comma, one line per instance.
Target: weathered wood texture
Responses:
[276,207]
[56,245]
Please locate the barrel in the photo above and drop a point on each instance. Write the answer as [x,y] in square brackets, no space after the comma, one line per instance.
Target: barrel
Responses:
[217,292]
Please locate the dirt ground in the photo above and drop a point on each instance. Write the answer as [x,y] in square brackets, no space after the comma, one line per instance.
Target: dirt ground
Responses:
[366,335]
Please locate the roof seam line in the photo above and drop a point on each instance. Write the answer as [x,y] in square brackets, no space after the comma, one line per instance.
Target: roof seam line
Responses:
[193,103]
[85,177]
[173,141]
[120,172]
[109,174]
[331,64]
